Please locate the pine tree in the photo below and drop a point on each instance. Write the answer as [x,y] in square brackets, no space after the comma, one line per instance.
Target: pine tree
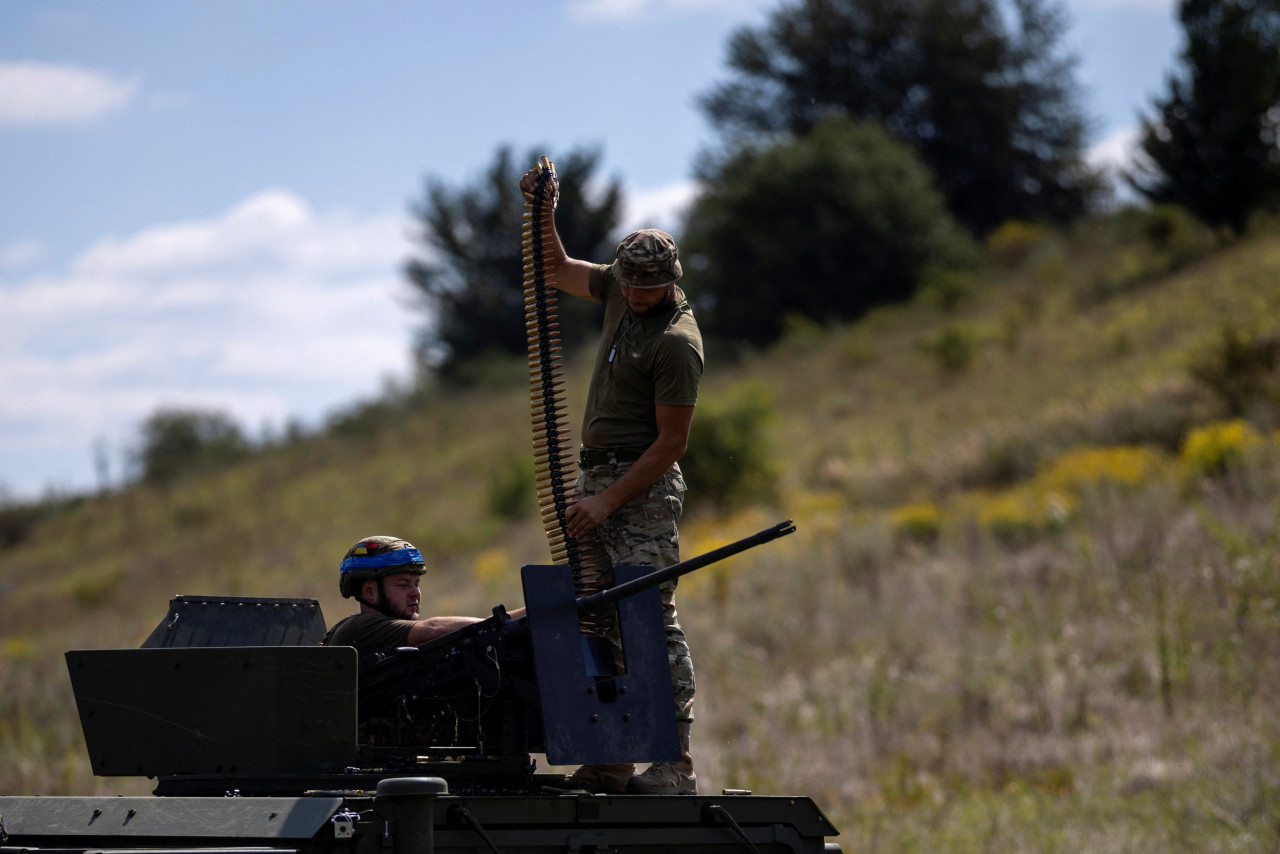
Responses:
[1214,144]
[470,274]
[991,108]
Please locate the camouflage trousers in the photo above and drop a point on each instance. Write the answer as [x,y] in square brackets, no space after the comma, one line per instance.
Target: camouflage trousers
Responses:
[642,532]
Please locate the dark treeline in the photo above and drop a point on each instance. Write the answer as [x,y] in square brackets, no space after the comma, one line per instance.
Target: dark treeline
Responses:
[864,146]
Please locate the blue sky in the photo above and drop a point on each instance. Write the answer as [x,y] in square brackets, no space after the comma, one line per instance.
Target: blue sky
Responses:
[206,203]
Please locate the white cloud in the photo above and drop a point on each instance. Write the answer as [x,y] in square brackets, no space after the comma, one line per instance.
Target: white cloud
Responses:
[659,207]
[607,10]
[1114,154]
[36,94]
[259,229]
[1116,151]
[269,311]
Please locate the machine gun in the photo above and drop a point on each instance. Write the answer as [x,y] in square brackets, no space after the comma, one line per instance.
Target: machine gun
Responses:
[508,687]
[233,694]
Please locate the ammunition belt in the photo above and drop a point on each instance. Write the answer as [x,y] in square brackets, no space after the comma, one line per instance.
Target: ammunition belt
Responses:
[555,469]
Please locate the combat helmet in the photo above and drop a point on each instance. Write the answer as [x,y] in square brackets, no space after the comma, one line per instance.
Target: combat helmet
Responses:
[647,258]
[374,558]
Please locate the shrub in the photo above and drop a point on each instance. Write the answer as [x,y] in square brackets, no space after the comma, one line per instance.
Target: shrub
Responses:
[1167,239]
[188,514]
[18,522]
[1013,243]
[397,401]
[946,289]
[512,488]
[175,442]
[1240,368]
[1132,266]
[1176,234]
[1004,461]
[1161,417]
[1215,448]
[952,348]
[921,523]
[1010,517]
[1125,465]
[1047,501]
[729,459]
[801,334]
[93,586]
[829,225]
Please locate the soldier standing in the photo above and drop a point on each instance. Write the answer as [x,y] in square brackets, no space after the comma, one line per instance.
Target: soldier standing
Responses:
[634,429]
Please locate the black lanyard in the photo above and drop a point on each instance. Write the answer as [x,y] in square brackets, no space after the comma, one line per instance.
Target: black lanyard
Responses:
[617,337]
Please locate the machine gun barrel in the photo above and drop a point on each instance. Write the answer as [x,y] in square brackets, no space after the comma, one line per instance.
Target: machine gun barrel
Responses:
[595,601]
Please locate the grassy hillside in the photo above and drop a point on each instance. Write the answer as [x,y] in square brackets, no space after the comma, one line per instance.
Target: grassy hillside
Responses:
[1032,602]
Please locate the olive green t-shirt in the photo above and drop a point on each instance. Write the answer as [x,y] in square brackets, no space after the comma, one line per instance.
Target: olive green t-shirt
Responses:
[643,361]
[369,633]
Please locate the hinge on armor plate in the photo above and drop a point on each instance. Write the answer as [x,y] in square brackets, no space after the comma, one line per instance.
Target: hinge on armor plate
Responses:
[344,825]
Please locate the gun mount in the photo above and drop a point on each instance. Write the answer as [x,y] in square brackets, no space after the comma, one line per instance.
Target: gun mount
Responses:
[425,749]
[538,684]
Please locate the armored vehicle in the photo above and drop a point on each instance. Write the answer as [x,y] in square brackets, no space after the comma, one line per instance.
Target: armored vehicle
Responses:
[262,741]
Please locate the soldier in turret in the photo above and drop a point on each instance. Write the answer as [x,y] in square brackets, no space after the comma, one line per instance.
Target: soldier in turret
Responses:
[382,574]
[635,427]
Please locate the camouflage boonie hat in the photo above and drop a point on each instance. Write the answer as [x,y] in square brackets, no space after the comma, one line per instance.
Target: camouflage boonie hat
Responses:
[647,259]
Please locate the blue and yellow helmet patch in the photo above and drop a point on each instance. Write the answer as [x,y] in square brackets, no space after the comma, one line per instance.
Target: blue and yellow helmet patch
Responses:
[375,557]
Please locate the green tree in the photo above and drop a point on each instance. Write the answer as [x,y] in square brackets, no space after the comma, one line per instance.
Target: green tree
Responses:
[176,441]
[1213,146]
[992,109]
[730,455]
[470,272]
[824,227]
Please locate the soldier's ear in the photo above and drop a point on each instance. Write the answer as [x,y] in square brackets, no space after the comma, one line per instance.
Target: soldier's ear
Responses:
[369,591]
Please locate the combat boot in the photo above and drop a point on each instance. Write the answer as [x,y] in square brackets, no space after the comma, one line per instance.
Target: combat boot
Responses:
[668,778]
[601,779]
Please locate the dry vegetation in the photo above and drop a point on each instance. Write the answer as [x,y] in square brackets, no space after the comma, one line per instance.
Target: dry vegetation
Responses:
[1022,612]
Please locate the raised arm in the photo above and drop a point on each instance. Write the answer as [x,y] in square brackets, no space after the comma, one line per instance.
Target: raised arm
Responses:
[570,274]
